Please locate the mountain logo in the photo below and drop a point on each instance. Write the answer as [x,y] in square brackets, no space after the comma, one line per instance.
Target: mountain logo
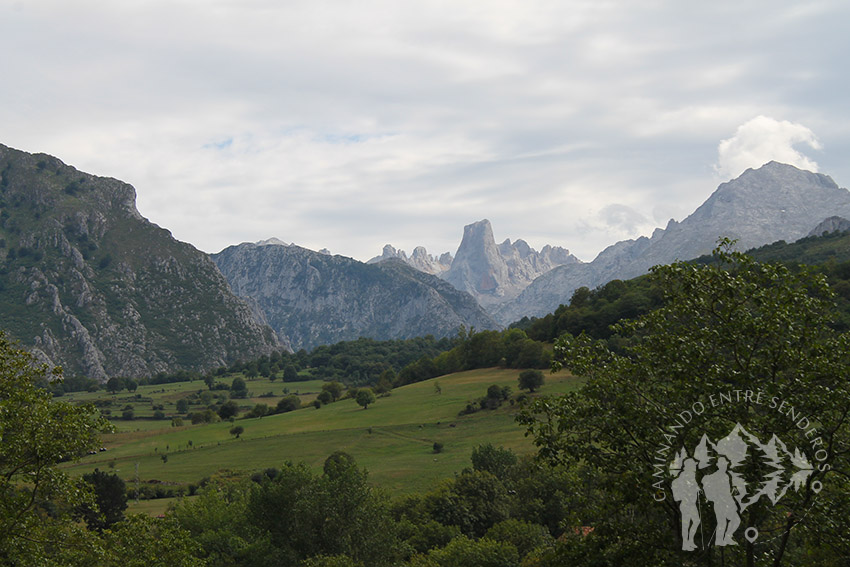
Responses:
[732,474]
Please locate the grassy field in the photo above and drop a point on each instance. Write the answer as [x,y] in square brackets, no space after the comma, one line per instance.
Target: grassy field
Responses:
[145,401]
[392,438]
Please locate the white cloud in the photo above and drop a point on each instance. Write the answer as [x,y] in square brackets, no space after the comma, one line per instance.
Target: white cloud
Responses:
[765,139]
[350,125]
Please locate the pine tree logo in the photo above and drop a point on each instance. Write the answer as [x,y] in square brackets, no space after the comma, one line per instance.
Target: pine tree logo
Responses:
[715,471]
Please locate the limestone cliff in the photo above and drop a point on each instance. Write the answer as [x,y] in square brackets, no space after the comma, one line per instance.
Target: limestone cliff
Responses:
[318,299]
[89,284]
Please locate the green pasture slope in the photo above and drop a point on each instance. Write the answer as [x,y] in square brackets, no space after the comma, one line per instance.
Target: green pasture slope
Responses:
[393,438]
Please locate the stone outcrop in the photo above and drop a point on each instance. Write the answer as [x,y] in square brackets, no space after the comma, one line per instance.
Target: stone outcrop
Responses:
[497,273]
[830,225]
[419,259]
[316,298]
[88,284]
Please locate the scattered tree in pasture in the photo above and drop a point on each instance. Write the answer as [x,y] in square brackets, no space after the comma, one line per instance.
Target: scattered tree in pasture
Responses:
[530,380]
[365,396]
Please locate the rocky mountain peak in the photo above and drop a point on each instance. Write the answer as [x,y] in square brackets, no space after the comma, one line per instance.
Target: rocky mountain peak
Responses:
[832,224]
[493,273]
[774,202]
[89,284]
[419,259]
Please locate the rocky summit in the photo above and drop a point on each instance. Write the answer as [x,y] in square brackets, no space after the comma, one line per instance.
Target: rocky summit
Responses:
[774,202]
[316,298]
[88,284]
[492,273]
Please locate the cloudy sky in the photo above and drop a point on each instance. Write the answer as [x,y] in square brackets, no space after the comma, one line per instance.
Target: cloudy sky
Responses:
[349,125]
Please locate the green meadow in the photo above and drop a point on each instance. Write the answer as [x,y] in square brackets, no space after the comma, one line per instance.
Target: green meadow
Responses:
[393,438]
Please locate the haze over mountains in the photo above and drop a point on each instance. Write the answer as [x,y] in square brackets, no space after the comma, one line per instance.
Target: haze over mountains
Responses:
[87,283]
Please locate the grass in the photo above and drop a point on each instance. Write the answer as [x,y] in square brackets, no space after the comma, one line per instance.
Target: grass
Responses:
[392,438]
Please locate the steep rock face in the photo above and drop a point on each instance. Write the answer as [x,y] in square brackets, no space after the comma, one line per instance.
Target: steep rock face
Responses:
[419,259]
[321,299]
[87,283]
[495,274]
[832,224]
[775,202]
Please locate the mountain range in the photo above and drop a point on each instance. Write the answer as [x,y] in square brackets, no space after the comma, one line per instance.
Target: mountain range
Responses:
[764,205]
[314,298]
[89,284]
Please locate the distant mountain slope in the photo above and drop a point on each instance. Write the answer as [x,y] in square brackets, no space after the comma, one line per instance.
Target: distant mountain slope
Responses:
[492,273]
[319,299]
[594,311]
[774,202]
[89,284]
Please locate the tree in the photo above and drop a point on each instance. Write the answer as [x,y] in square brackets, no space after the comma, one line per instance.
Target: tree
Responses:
[288,403]
[114,385]
[465,552]
[237,431]
[530,380]
[228,409]
[325,397]
[131,384]
[303,515]
[737,345]
[37,434]
[334,388]
[365,396]
[495,460]
[142,541]
[238,388]
[182,405]
[290,373]
[110,500]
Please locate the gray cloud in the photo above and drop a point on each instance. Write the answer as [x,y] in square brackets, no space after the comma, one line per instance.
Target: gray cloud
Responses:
[349,125]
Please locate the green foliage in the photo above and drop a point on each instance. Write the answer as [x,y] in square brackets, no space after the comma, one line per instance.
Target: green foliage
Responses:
[288,403]
[228,409]
[497,461]
[238,388]
[115,384]
[594,311]
[258,410]
[217,521]
[333,514]
[35,435]
[110,495]
[465,552]
[290,374]
[530,380]
[365,396]
[474,502]
[524,536]
[237,430]
[511,348]
[140,541]
[734,325]
[334,388]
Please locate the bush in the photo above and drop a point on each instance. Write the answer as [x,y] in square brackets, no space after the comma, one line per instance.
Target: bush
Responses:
[288,403]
